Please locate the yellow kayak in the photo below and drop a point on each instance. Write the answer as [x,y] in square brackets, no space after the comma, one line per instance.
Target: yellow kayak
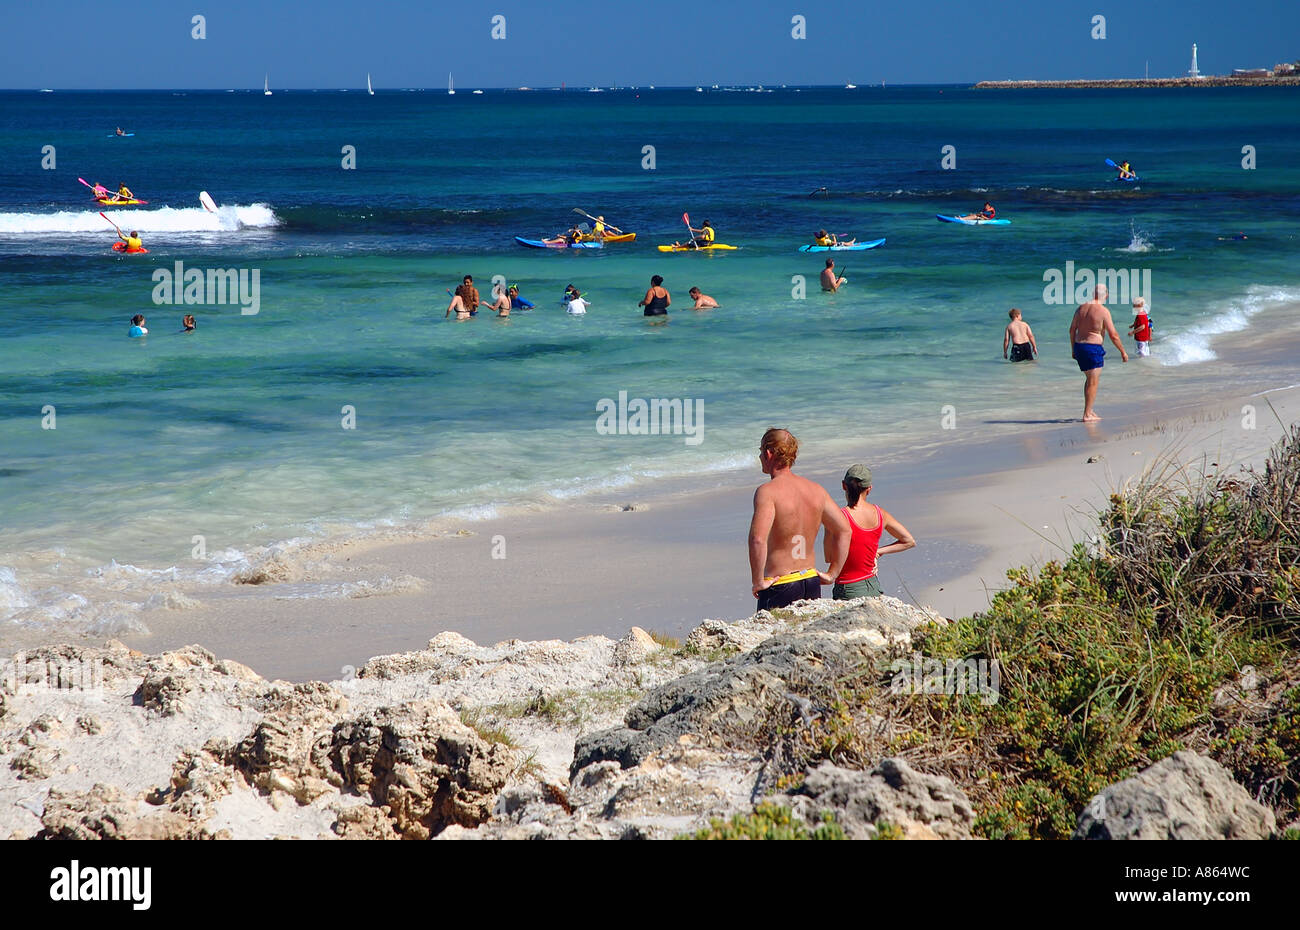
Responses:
[691,248]
[610,237]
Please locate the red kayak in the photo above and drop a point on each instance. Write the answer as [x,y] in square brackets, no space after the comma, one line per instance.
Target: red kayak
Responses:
[121,247]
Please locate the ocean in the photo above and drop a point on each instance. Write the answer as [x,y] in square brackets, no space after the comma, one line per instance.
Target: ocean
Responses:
[347,404]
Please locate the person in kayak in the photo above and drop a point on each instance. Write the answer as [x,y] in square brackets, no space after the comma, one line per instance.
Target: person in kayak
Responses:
[657,299]
[702,301]
[573,236]
[100,192]
[133,242]
[868,522]
[987,213]
[705,237]
[465,301]
[124,193]
[120,132]
[137,326]
[1019,338]
[831,282]
[1125,171]
[822,238]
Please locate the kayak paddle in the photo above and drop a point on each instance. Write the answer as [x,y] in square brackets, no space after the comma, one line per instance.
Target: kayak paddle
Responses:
[686,218]
[115,226]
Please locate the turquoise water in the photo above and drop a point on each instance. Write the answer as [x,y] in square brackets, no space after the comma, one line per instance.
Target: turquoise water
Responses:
[235,432]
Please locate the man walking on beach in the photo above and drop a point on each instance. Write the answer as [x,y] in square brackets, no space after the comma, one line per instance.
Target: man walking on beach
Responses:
[783,533]
[1092,321]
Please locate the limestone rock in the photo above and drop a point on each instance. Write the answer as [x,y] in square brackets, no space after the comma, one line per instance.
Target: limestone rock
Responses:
[106,813]
[1183,797]
[423,763]
[636,646]
[735,693]
[713,635]
[923,806]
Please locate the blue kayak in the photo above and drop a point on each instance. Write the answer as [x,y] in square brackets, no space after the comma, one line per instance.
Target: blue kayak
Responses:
[966,222]
[557,244]
[856,247]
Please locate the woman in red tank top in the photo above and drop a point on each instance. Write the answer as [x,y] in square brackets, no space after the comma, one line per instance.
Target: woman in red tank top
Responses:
[868,522]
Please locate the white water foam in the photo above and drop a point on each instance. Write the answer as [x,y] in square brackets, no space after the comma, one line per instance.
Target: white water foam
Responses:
[163,219]
[1192,345]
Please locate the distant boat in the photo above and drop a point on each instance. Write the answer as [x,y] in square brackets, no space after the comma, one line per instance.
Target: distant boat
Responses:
[450,87]
[850,86]
[699,90]
[478,91]
[370,90]
[46,90]
[595,90]
[266,86]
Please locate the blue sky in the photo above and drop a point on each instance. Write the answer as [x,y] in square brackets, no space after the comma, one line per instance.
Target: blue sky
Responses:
[414,43]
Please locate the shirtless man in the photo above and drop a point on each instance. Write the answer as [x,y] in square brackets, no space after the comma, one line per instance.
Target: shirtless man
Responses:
[829,281]
[702,301]
[783,533]
[1019,338]
[465,301]
[1092,321]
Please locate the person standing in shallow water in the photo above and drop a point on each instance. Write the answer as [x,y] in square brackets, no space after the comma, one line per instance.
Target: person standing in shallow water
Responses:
[657,299]
[868,522]
[1091,321]
[788,511]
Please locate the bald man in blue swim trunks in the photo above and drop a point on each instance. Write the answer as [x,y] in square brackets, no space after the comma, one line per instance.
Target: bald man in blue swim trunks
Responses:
[1091,321]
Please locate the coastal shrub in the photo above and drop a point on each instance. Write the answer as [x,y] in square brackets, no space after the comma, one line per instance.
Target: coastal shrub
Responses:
[1180,632]
[768,821]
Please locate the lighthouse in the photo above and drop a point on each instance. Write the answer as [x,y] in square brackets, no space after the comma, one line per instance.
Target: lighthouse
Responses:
[1194,72]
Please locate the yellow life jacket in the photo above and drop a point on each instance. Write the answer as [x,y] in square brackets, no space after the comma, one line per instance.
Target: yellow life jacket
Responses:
[708,233]
[134,244]
[825,240]
[600,229]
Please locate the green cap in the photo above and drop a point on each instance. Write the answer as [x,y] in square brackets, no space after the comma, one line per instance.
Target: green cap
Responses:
[860,474]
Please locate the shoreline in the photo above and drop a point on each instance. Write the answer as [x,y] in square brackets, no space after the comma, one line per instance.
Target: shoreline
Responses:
[679,558]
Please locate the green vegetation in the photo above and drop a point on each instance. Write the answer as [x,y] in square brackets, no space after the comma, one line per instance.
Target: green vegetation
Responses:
[1180,633]
[668,642]
[768,822]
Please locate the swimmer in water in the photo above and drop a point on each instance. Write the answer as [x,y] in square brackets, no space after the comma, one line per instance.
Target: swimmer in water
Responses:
[187,324]
[702,301]
[137,326]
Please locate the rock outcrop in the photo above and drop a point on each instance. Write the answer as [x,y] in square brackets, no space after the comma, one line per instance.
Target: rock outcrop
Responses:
[928,807]
[1183,797]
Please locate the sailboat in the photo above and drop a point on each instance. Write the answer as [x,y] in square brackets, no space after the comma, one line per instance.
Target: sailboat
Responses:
[370,90]
[266,86]
[450,88]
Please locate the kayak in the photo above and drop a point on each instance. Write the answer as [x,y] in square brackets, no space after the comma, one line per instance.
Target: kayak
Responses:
[966,222]
[125,135]
[610,237]
[118,203]
[1129,180]
[856,247]
[1132,174]
[691,248]
[121,247]
[556,244]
